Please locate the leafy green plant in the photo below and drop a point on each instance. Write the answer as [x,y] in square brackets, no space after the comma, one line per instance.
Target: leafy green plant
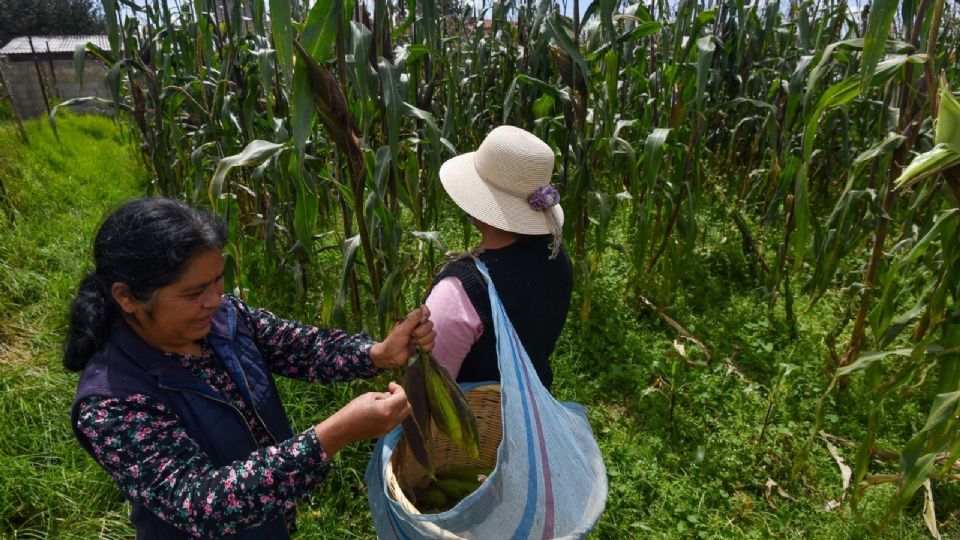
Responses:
[319,128]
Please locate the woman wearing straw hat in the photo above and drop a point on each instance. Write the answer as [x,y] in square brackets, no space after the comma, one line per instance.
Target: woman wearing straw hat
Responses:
[505,189]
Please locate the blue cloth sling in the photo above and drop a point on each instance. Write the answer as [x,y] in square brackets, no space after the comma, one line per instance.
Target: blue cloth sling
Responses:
[549,480]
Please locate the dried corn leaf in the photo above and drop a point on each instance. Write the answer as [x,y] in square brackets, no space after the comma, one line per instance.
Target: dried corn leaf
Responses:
[929,512]
[845,472]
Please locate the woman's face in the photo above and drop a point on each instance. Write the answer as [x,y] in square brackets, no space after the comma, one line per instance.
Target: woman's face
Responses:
[180,314]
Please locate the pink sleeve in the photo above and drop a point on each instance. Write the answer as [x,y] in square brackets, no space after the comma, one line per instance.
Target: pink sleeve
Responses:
[456,322]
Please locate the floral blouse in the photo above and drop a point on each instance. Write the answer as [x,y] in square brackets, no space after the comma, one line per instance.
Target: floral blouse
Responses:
[145,448]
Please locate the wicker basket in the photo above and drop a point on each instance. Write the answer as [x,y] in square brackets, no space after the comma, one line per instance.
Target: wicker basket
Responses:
[404,473]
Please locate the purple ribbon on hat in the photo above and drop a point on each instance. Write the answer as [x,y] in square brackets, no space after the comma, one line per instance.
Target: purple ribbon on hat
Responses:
[544,198]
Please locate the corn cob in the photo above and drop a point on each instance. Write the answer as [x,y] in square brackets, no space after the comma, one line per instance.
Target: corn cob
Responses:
[431,498]
[416,427]
[472,474]
[449,407]
[456,489]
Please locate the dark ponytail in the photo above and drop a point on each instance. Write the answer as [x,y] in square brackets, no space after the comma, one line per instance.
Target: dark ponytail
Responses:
[88,315]
[146,245]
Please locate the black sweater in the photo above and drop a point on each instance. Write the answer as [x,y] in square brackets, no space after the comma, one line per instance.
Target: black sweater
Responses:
[535,292]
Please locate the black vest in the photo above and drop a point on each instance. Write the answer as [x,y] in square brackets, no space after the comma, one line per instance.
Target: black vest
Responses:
[127,365]
[535,291]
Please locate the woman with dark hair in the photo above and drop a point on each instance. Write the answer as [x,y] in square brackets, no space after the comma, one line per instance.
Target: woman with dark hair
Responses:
[505,189]
[176,398]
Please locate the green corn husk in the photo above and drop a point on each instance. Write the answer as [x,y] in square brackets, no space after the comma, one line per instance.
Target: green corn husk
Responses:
[449,407]
[948,117]
[416,427]
[456,489]
[946,154]
[431,498]
[472,474]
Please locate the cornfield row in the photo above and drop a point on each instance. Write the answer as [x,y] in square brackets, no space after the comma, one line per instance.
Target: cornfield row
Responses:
[823,134]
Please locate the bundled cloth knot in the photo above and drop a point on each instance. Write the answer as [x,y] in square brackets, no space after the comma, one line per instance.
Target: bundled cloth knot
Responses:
[544,198]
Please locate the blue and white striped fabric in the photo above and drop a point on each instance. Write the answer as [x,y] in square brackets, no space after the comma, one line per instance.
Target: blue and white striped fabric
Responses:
[549,480]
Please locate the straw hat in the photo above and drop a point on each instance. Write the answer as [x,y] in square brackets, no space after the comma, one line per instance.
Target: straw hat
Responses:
[506,183]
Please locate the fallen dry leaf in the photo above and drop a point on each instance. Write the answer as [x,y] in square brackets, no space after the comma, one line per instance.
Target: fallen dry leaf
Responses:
[845,472]
[929,513]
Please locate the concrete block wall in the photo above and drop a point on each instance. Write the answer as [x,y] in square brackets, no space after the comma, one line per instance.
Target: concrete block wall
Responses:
[24,86]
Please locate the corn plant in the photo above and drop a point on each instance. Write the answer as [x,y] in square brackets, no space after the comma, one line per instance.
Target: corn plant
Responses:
[825,135]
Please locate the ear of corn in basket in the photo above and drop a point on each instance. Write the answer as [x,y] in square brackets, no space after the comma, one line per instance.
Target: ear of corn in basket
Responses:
[416,427]
[433,394]
[449,488]
[449,407]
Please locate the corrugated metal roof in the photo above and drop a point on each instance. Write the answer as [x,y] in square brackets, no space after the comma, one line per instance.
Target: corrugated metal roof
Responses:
[58,44]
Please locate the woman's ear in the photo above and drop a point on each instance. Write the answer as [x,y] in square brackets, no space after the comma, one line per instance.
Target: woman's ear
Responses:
[124,298]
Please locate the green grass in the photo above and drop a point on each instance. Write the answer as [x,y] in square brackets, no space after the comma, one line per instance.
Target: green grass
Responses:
[705,473]
[55,194]
[702,474]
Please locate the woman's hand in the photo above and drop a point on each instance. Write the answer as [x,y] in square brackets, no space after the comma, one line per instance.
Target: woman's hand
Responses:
[396,349]
[368,416]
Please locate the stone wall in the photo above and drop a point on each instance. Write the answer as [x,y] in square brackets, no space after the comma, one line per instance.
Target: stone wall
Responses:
[24,86]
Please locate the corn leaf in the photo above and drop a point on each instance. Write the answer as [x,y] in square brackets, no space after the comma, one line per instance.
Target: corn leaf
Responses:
[364,77]
[948,117]
[824,60]
[432,130]
[303,112]
[349,258]
[390,292]
[305,208]
[913,478]
[282,32]
[916,463]
[878,28]
[884,147]
[653,156]
[381,171]
[113,80]
[802,216]
[389,81]
[705,48]
[77,101]
[559,33]
[558,94]
[642,30]
[867,359]
[942,411]
[79,58]
[255,153]
[315,47]
[113,28]
[332,110]
[941,223]
[848,89]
